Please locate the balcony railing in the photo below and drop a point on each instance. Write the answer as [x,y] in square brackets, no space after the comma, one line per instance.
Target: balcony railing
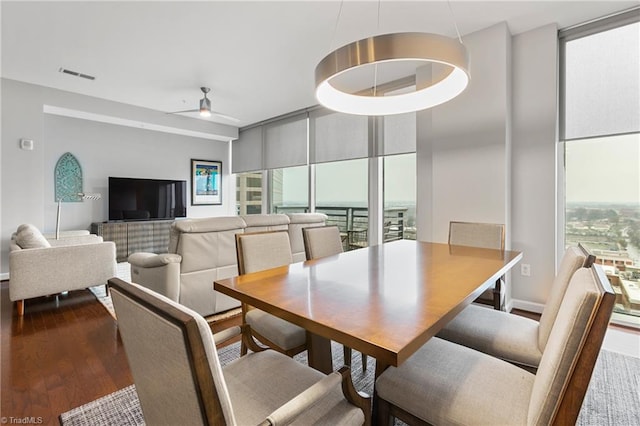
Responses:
[353,223]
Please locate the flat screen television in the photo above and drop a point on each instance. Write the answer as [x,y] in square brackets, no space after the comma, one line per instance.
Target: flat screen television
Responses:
[146,199]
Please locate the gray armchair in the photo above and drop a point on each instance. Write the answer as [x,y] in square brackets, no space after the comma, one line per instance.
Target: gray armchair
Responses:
[41,267]
[258,251]
[181,381]
[511,337]
[485,235]
[445,383]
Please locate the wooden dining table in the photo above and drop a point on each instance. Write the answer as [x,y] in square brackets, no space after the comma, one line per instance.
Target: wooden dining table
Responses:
[385,301]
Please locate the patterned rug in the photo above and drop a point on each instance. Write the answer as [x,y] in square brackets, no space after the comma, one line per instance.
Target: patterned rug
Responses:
[612,397]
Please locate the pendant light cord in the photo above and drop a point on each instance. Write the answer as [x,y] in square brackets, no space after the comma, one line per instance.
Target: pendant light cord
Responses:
[454,21]
[375,67]
[335,28]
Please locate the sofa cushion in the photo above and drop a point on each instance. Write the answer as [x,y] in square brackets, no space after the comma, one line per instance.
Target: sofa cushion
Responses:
[28,236]
[266,220]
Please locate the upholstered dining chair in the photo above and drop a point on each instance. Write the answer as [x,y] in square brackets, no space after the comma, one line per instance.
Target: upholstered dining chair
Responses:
[511,337]
[325,241]
[485,235]
[179,379]
[257,251]
[445,383]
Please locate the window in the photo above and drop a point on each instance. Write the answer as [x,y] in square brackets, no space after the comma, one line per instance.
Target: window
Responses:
[249,193]
[600,125]
[342,193]
[399,197]
[289,190]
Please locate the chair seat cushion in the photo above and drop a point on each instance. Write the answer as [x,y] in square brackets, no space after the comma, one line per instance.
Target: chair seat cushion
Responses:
[510,337]
[261,382]
[444,383]
[282,333]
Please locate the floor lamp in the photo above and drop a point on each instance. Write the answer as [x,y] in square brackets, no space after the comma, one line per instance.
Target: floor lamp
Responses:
[83,196]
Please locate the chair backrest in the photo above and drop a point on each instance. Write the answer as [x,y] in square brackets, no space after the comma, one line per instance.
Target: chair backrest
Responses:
[258,251]
[590,258]
[299,221]
[485,235]
[322,241]
[572,350]
[572,260]
[172,357]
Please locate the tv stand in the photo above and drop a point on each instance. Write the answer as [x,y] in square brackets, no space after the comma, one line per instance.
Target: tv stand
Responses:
[131,237]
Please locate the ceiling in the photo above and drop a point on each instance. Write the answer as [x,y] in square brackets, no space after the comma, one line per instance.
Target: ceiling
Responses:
[258,58]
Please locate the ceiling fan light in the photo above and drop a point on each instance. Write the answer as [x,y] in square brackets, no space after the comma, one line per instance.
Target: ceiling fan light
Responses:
[418,47]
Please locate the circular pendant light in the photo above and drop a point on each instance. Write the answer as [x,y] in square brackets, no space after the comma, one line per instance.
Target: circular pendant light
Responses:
[414,49]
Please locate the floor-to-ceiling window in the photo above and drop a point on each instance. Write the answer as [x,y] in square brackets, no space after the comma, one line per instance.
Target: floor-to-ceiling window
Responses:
[289,190]
[342,192]
[249,193]
[399,197]
[600,132]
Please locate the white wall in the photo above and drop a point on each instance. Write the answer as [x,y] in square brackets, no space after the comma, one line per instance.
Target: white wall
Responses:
[102,149]
[535,77]
[463,155]
[489,155]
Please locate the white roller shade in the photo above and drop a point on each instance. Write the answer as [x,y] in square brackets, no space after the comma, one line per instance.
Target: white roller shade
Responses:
[247,151]
[602,87]
[285,143]
[335,136]
[398,134]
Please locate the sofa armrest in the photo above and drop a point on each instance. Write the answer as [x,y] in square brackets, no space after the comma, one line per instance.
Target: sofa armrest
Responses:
[51,270]
[157,272]
[75,240]
[152,260]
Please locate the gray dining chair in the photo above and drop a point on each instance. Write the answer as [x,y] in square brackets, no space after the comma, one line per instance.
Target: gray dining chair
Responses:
[321,242]
[446,383]
[511,337]
[485,235]
[258,251]
[180,381]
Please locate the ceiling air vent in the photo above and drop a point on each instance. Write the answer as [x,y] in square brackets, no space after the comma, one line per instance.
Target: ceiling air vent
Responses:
[76,74]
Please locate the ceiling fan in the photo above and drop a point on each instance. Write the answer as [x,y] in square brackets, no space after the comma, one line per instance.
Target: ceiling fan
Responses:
[205,108]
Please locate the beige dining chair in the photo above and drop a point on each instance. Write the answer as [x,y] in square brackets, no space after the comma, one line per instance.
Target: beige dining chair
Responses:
[179,379]
[258,251]
[511,337]
[447,383]
[321,242]
[485,235]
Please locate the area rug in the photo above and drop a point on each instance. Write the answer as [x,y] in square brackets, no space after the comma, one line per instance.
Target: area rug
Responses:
[613,397]
[123,272]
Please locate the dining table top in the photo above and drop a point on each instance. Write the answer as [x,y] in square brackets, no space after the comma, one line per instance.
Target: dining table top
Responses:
[385,300]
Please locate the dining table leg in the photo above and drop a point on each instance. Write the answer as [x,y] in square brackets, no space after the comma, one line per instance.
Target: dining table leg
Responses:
[319,353]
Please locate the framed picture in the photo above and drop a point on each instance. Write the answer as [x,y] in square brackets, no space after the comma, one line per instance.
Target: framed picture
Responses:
[206,182]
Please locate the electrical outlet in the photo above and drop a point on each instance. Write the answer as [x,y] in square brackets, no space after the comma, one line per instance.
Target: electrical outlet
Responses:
[525,270]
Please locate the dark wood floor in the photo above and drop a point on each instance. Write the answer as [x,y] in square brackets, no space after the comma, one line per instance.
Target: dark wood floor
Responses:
[63,353]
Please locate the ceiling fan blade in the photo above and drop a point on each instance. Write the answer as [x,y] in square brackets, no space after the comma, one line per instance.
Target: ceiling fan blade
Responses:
[180,112]
[228,117]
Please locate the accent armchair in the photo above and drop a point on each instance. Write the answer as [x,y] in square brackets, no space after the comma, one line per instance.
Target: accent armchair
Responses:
[511,337]
[445,383]
[181,381]
[41,267]
[258,251]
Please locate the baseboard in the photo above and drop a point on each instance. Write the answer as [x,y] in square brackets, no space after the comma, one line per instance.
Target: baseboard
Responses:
[527,306]
[4,276]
